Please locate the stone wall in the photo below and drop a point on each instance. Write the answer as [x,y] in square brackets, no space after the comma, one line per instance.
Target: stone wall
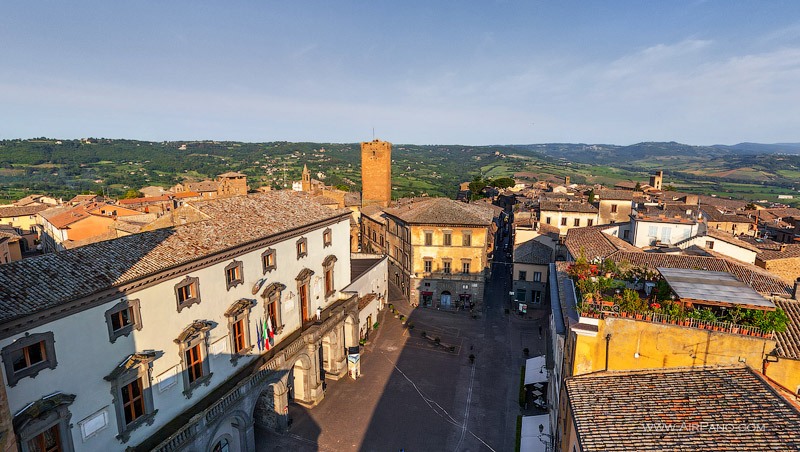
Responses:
[376,173]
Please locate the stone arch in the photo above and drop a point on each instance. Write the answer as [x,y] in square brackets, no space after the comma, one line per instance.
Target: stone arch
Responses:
[351,333]
[269,410]
[333,354]
[304,379]
[237,429]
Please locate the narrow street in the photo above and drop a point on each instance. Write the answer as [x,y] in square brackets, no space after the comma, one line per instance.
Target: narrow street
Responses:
[417,396]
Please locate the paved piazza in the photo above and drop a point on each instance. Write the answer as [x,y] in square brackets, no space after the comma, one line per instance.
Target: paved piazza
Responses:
[415,396]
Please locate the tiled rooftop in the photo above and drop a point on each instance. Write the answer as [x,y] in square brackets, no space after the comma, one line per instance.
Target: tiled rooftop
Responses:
[38,283]
[789,340]
[613,410]
[618,195]
[14,211]
[593,242]
[788,251]
[533,252]
[730,238]
[552,206]
[442,211]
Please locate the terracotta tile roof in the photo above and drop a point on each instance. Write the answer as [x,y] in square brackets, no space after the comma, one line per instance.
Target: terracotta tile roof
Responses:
[533,252]
[789,340]
[714,214]
[38,283]
[15,211]
[730,204]
[787,251]
[8,231]
[186,194]
[64,218]
[352,199]
[202,186]
[593,242]
[442,211]
[619,195]
[145,200]
[730,238]
[757,278]
[613,410]
[552,206]
[84,198]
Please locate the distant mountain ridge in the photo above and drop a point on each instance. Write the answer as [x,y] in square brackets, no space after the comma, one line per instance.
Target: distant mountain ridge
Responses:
[591,153]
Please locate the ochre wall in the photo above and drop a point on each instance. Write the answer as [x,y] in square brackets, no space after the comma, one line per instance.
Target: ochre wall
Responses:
[376,173]
[476,252]
[785,372]
[664,346]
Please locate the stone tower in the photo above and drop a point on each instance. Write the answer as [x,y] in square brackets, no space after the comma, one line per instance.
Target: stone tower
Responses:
[376,173]
[306,179]
[656,180]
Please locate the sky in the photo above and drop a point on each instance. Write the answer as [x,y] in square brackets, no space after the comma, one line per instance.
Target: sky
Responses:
[419,72]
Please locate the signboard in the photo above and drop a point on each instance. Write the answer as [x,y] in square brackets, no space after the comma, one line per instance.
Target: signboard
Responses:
[523,308]
[354,362]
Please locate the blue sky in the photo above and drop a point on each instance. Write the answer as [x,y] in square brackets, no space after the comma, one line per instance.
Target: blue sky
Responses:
[423,72]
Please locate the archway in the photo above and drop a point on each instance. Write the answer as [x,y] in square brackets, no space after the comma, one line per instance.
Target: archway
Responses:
[233,433]
[445,300]
[301,380]
[351,331]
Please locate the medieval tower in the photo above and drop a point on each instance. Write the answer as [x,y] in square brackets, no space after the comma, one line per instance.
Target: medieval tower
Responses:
[376,173]
[306,179]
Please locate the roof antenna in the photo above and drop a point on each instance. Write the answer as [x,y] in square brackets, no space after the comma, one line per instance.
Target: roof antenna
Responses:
[373,134]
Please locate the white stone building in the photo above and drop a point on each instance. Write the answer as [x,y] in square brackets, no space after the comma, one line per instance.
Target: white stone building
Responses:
[151,341]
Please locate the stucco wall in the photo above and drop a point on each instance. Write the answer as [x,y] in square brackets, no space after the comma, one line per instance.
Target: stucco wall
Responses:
[85,355]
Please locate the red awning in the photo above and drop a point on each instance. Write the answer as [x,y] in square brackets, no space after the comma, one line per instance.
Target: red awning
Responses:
[426,293]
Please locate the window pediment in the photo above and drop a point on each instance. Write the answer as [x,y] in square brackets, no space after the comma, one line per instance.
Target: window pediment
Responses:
[304,274]
[239,306]
[41,408]
[133,361]
[196,328]
[329,260]
[272,289]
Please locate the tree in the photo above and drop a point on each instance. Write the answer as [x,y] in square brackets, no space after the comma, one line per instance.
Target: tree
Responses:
[503,182]
[638,186]
[132,193]
[476,186]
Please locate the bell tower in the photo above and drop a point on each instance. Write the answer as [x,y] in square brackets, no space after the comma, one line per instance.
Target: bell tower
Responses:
[376,173]
[306,179]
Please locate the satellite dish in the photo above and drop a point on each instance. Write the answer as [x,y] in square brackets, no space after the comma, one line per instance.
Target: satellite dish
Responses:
[258,284]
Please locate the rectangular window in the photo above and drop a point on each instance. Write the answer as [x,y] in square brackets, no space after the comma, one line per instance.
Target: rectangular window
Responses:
[233,274]
[381,240]
[187,292]
[302,248]
[28,356]
[448,239]
[132,401]
[710,244]
[428,238]
[194,363]
[272,312]
[329,282]
[523,275]
[576,222]
[122,318]
[521,295]
[666,235]
[465,268]
[239,340]
[652,231]
[327,238]
[428,266]
[466,238]
[537,297]
[268,262]
[547,220]
[613,208]
[446,267]
[589,222]
[626,234]
[47,441]
[537,276]
[563,222]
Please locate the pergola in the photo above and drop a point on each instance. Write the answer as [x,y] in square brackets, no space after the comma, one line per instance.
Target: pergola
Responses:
[712,288]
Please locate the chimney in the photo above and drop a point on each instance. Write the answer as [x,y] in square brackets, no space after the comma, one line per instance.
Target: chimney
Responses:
[796,286]
[783,248]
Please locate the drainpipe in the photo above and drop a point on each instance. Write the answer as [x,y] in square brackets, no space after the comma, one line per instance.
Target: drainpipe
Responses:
[608,339]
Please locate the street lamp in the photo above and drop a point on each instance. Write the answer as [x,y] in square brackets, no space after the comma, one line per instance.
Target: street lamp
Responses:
[548,445]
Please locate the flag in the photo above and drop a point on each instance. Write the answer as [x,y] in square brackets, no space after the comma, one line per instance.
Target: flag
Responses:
[264,336]
[258,335]
[270,332]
